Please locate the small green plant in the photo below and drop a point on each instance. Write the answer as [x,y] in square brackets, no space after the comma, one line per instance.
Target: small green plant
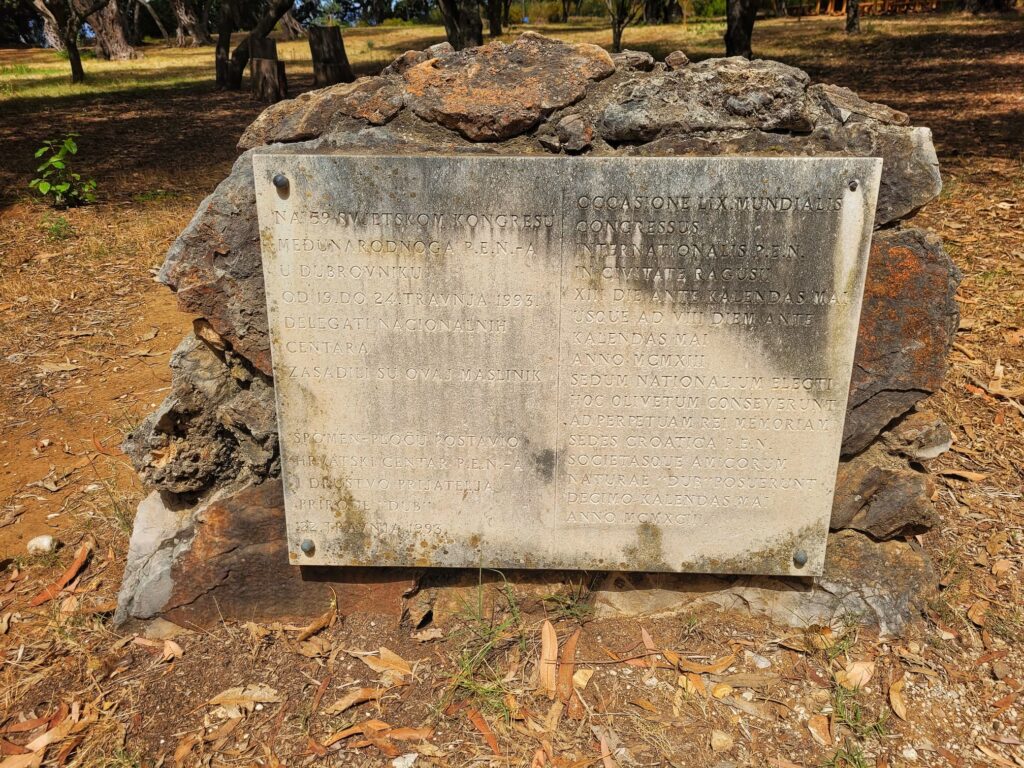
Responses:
[57,180]
[848,712]
[153,195]
[486,635]
[57,228]
[572,605]
[849,755]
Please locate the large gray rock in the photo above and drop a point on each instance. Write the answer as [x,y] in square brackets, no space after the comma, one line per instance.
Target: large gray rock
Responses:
[217,424]
[215,436]
[910,169]
[907,324]
[712,95]
[227,558]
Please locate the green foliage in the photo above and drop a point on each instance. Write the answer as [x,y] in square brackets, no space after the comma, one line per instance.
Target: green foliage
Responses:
[57,228]
[849,755]
[709,8]
[486,634]
[572,606]
[849,712]
[57,181]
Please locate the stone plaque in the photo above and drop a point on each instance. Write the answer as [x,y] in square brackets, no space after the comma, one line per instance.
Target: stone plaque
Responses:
[539,362]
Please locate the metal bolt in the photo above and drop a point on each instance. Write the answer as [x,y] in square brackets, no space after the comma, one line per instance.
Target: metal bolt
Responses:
[281,181]
[800,558]
[853,185]
[308,547]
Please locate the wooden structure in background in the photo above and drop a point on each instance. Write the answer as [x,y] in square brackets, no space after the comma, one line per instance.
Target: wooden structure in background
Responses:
[867,7]
[267,73]
[330,62]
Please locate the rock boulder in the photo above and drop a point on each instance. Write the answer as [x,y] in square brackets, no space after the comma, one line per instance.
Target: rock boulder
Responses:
[210,541]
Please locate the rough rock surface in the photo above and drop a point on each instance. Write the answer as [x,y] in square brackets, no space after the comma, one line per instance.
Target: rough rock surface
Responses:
[641,61]
[677,60]
[712,95]
[218,422]
[907,324]
[211,448]
[921,436]
[883,496]
[498,91]
[371,99]
[228,558]
[883,585]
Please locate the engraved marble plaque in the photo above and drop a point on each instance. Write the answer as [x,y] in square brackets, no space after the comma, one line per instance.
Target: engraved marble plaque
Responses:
[550,362]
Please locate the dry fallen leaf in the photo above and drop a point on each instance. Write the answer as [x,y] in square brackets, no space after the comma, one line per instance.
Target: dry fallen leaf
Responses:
[548,659]
[65,578]
[581,677]
[977,611]
[28,760]
[353,697]
[369,726]
[721,741]
[896,701]
[1001,568]
[964,474]
[856,675]
[606,754]
[58,367]
[566,667]
[481,725]
[321,622]
[393,667]
[721,690]
[820,732]
[692,684]
[714,668]
[243,699]
[428,634]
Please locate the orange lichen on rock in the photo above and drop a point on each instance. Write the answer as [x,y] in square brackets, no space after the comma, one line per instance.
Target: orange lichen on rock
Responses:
[499,90]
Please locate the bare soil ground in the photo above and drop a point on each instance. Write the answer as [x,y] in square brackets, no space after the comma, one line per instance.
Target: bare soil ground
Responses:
[85,336]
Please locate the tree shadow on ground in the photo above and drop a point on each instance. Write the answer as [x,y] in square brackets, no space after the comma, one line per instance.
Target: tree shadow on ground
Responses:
[962,79]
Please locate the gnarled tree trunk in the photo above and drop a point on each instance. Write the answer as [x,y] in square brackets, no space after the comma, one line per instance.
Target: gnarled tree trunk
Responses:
[111,34]
[189,20]
[235,68]
[462,23]
[739,30]
[65,18]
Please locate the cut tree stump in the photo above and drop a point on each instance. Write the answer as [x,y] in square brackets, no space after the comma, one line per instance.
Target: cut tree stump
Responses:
[330,62]
[269,83]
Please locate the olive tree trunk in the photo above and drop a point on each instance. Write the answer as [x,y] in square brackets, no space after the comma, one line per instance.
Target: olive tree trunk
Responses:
[111,34]
[853,17]
[494,9]
[462,23]
[739,30]
[65,17]
[235,68]
[189,20]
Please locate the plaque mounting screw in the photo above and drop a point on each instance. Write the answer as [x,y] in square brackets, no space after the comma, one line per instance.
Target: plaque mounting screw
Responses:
[800,558]
[308,547]
[853,185]
[281,181]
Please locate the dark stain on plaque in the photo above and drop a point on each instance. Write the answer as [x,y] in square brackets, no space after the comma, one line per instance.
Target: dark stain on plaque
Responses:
[757,262]
[544,462]
[646,553]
